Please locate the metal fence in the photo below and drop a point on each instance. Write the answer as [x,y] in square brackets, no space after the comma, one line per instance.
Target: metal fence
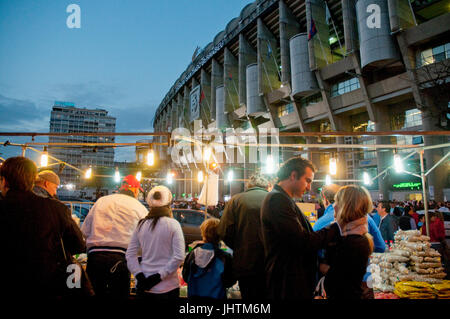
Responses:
[79,209]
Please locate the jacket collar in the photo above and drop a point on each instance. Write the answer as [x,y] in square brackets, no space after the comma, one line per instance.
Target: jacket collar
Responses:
[41,192]
[281,190]
[256,188]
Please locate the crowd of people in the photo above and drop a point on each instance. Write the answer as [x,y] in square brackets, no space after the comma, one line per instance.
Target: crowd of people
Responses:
[275,251]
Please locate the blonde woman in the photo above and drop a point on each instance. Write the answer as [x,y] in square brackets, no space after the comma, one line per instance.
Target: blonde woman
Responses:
[349,256]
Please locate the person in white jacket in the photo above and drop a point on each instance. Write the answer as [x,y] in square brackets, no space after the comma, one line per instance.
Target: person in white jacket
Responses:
[108,228]
[160,239]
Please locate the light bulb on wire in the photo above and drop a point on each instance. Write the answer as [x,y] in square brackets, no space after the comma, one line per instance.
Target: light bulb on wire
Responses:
[44,158]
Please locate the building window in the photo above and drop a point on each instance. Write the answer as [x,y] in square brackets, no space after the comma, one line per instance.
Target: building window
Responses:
[345,87]
[285,109]
[312,99]
[433,55]
[368,126]
[409,118]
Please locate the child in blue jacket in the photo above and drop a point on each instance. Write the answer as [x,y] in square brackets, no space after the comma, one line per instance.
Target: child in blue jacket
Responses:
[207,268]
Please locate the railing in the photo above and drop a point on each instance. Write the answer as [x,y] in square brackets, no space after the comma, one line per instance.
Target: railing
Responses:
[79,209]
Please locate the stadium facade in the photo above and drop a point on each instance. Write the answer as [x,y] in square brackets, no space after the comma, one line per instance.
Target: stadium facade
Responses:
[322,66]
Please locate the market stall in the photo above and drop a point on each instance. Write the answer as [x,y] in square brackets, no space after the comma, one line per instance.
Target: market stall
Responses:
[409,269]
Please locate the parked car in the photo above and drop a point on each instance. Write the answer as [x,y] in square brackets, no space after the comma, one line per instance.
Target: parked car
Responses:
[190,221]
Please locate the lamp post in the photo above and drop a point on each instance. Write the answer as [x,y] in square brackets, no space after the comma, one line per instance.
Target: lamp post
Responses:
[425,199]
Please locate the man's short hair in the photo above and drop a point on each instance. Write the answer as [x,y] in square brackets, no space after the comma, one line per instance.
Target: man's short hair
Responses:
[328,191]
[258,180]
[295,164]
[385,204]
[19,173]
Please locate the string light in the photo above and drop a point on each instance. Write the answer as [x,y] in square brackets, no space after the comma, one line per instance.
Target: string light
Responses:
[169,177]
[200,176]
[333,166]
[44,157]
[207,152]
[88,173]
[117,175]
[366,178]
[230,176]
[398,163]
[327,180]
[269,164]
[151,157]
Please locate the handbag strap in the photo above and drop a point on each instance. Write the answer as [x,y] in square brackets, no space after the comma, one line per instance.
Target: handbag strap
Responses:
[320,289]
[63,249]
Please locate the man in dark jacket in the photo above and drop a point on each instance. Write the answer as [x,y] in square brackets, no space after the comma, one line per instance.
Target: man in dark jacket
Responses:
[388,225]
[290,244]
[32,229]
[240,229]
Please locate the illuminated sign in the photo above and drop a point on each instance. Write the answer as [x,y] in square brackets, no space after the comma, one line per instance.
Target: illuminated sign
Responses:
[411,185]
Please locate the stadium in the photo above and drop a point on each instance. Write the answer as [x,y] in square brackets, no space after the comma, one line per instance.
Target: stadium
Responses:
[295,66]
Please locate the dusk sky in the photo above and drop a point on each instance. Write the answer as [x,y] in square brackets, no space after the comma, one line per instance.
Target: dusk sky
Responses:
[124,58]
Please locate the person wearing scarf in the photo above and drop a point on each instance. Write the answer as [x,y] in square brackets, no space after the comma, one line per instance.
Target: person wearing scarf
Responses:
[160,239]
[349,255]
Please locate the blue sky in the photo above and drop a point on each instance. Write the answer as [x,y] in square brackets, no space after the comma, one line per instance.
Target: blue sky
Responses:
[124,58]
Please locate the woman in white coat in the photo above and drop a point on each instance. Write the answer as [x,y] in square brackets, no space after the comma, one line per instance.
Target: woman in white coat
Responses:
[160,238]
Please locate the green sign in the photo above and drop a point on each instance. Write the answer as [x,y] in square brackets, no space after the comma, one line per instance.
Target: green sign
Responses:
[411,185]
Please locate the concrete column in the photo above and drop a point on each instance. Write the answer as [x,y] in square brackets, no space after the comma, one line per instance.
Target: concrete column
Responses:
[205,104]
[288,28]
[268,79]
[436,179]
[247,55]
[319,47]
[325,90]
[216,80]
[236,186]
[186,106]
[384,157]
[427,106]
[174,114]
[180,111]
[231,79]
[350,27]
[343,124]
